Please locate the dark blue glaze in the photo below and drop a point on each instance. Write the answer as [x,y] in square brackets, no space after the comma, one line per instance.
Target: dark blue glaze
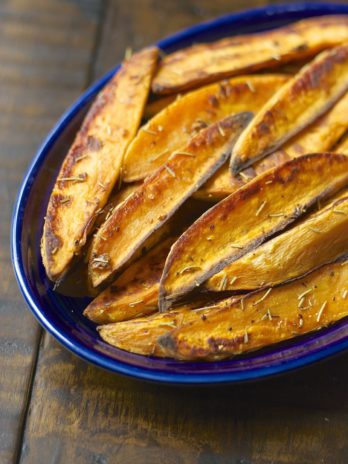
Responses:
[62,316]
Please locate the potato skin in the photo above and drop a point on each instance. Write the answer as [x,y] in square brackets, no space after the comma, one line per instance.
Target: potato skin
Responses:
[92,165]
[300,101]
[204,63]
[172,128]
[318,239]
[320,136]
[246,218]
[161,194]
[134,292]
[263,318]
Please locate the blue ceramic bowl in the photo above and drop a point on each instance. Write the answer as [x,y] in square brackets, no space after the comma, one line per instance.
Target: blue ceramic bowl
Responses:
[62,316]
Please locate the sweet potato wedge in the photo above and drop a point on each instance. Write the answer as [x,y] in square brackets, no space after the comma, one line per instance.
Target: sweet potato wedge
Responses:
[161,195]
[264,318]
[245,219]
[172,128]
[320,136]
[319,239]
[203,63]
[300,101]
[92,165]
[140,335]
[135,292]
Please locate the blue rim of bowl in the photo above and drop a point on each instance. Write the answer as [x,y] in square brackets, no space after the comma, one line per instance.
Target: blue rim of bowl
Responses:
[104,361]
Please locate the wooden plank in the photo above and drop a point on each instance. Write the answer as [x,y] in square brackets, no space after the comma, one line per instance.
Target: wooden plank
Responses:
[45,50]
[81,414]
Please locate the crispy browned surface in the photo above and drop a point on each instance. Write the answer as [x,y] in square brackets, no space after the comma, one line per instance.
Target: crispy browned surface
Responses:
[320,136]
[140,335]
[319,239]
[200,64]
[172,128]
[141,214]
[246,218]
[264,318]
[135,292]
[92,164]
[298,103]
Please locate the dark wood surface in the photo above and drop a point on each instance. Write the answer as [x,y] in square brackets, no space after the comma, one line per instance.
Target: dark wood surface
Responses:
[54,408]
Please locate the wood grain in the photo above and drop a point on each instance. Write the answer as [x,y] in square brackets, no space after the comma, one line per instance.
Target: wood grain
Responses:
[45,53]
[81,414]
[76,412]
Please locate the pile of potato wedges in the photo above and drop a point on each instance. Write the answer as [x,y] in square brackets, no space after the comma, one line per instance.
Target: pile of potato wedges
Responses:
[207,193]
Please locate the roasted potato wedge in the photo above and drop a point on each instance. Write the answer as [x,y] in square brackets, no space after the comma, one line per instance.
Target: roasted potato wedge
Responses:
[161,195]
[314,89]
[319,239]
[320,136]
[200,64]
[173,127]
[135,292]
[93,163]
[140,335]
[247,218]
[263,318]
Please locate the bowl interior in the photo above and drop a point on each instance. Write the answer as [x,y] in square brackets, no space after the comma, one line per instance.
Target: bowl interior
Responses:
[62,315]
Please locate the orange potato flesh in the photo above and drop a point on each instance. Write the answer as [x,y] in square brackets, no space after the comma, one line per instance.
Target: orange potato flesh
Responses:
[319,239]
[263,318]
[204,63]
[245,219]
[320,136]
[134,292]
[300,101]
[172,128]
[157,199]
[92,165]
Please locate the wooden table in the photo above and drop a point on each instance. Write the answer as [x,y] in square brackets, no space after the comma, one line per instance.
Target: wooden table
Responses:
[55,408]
